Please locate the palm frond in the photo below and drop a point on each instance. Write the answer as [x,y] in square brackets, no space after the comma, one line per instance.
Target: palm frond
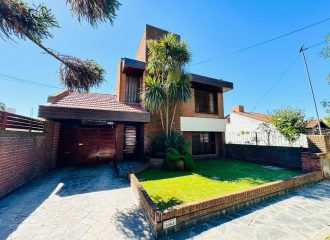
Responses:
[80,75]
[19,19]
[153,96]
[94,11]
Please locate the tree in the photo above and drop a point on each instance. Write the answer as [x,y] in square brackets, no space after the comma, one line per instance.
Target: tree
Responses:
[2,106]
[94,11]
[167,84]
[289,122]
[325,53]
[19,19]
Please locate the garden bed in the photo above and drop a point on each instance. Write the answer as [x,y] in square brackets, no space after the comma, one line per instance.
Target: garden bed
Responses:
[176,200]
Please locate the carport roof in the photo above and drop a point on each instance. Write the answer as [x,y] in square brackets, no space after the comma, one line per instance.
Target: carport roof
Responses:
[75,105]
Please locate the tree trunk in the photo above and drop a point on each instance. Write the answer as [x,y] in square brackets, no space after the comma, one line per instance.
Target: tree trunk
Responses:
[161,118]
[167,116]
[173,116]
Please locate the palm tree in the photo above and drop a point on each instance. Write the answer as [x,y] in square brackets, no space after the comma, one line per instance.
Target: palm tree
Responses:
[19,19]
[167,84]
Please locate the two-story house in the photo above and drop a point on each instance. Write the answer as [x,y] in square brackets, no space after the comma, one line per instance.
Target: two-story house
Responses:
[98,128]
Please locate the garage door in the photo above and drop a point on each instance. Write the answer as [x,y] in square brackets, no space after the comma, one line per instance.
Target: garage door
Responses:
[86,146]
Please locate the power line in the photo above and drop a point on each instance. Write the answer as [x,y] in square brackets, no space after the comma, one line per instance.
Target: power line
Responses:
[9,78]
[276,82]
[283,74]
[262,43]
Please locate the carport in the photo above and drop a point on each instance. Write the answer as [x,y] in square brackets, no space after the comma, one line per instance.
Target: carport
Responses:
[95,128]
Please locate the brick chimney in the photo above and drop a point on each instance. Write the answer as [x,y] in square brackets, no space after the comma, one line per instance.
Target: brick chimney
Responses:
[238,108]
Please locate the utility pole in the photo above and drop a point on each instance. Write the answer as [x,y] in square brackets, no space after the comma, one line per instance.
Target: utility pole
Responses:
[311,86]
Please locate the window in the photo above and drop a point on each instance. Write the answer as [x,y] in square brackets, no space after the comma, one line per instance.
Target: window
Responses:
[203,143]
[206,101]
[132,88]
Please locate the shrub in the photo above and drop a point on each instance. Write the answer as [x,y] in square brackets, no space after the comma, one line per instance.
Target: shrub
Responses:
[159,142]
[172,157]
[189,163]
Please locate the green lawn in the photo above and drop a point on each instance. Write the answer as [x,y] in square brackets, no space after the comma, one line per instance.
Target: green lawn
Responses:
[171,188]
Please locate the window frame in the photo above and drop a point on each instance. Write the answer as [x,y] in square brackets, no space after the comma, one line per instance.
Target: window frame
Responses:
[203,101]
[128,89]
[203,143]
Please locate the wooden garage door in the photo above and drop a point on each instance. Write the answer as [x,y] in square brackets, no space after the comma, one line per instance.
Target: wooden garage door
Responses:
[86,146]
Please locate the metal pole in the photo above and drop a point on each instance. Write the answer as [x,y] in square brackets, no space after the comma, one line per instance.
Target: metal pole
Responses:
[311,86]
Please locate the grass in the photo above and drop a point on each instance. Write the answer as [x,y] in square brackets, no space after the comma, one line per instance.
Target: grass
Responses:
[211,178]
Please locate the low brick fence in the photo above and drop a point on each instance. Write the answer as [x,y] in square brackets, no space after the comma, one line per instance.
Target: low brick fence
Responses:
[272,155]
[26,155]
[187,215]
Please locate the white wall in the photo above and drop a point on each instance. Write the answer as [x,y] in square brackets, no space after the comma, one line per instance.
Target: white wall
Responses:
[241,123]
[242,130]
[196,124]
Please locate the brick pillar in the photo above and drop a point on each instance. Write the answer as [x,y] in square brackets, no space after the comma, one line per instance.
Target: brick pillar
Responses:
[53,132]
[318,143]
[120,141]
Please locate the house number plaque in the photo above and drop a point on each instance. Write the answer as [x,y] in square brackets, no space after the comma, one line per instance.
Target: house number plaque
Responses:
[169,223]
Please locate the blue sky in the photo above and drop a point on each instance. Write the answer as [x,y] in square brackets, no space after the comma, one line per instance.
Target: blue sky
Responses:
[211,29]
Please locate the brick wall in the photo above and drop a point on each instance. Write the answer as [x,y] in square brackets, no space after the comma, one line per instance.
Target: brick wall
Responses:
[310,162]
[120,128]
[318,143]
[272,155]
[190,214]
[24,156]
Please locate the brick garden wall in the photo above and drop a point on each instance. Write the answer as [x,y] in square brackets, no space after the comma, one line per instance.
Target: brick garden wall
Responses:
[24,156]
[318,143]
[272,155]
[190,214]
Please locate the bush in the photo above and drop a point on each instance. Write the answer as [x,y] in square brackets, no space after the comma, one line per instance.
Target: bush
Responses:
[172,158]
[189,163]
[159,143]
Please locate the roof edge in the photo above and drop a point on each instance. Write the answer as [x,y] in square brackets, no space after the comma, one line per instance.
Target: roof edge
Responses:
[58,95]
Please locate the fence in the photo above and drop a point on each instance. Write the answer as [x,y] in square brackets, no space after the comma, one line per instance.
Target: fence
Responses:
[10,121]
[264,139]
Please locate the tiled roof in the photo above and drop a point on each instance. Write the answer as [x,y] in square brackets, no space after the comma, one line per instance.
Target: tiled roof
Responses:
[95,101]
[313,123]
[258,116]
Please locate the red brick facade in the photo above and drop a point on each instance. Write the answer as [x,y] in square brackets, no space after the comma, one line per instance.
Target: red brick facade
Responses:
[120,141]
[186,110]
[24,156]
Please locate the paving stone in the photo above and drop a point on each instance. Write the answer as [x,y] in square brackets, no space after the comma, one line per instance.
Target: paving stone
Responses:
[73,203]
[302,214]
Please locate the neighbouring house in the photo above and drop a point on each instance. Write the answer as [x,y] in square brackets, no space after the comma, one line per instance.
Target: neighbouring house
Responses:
[313,128]
[253,128]
[97,128]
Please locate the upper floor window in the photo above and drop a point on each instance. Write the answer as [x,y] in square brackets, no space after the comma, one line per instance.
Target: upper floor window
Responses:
[206,101]
[132,88]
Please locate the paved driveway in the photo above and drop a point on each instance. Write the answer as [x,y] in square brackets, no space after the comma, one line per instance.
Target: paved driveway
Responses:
[73,203]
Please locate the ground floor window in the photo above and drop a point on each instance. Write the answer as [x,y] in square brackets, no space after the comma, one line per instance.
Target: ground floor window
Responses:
[203,143]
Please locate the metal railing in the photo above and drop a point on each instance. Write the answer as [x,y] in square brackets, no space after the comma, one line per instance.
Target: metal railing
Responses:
[264,139]
[11,121]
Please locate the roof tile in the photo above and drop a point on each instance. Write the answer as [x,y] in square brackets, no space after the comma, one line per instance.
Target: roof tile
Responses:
[96,101]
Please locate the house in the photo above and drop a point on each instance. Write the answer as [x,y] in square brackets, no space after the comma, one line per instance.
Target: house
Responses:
[242,126]
[313,128]
[97,128]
